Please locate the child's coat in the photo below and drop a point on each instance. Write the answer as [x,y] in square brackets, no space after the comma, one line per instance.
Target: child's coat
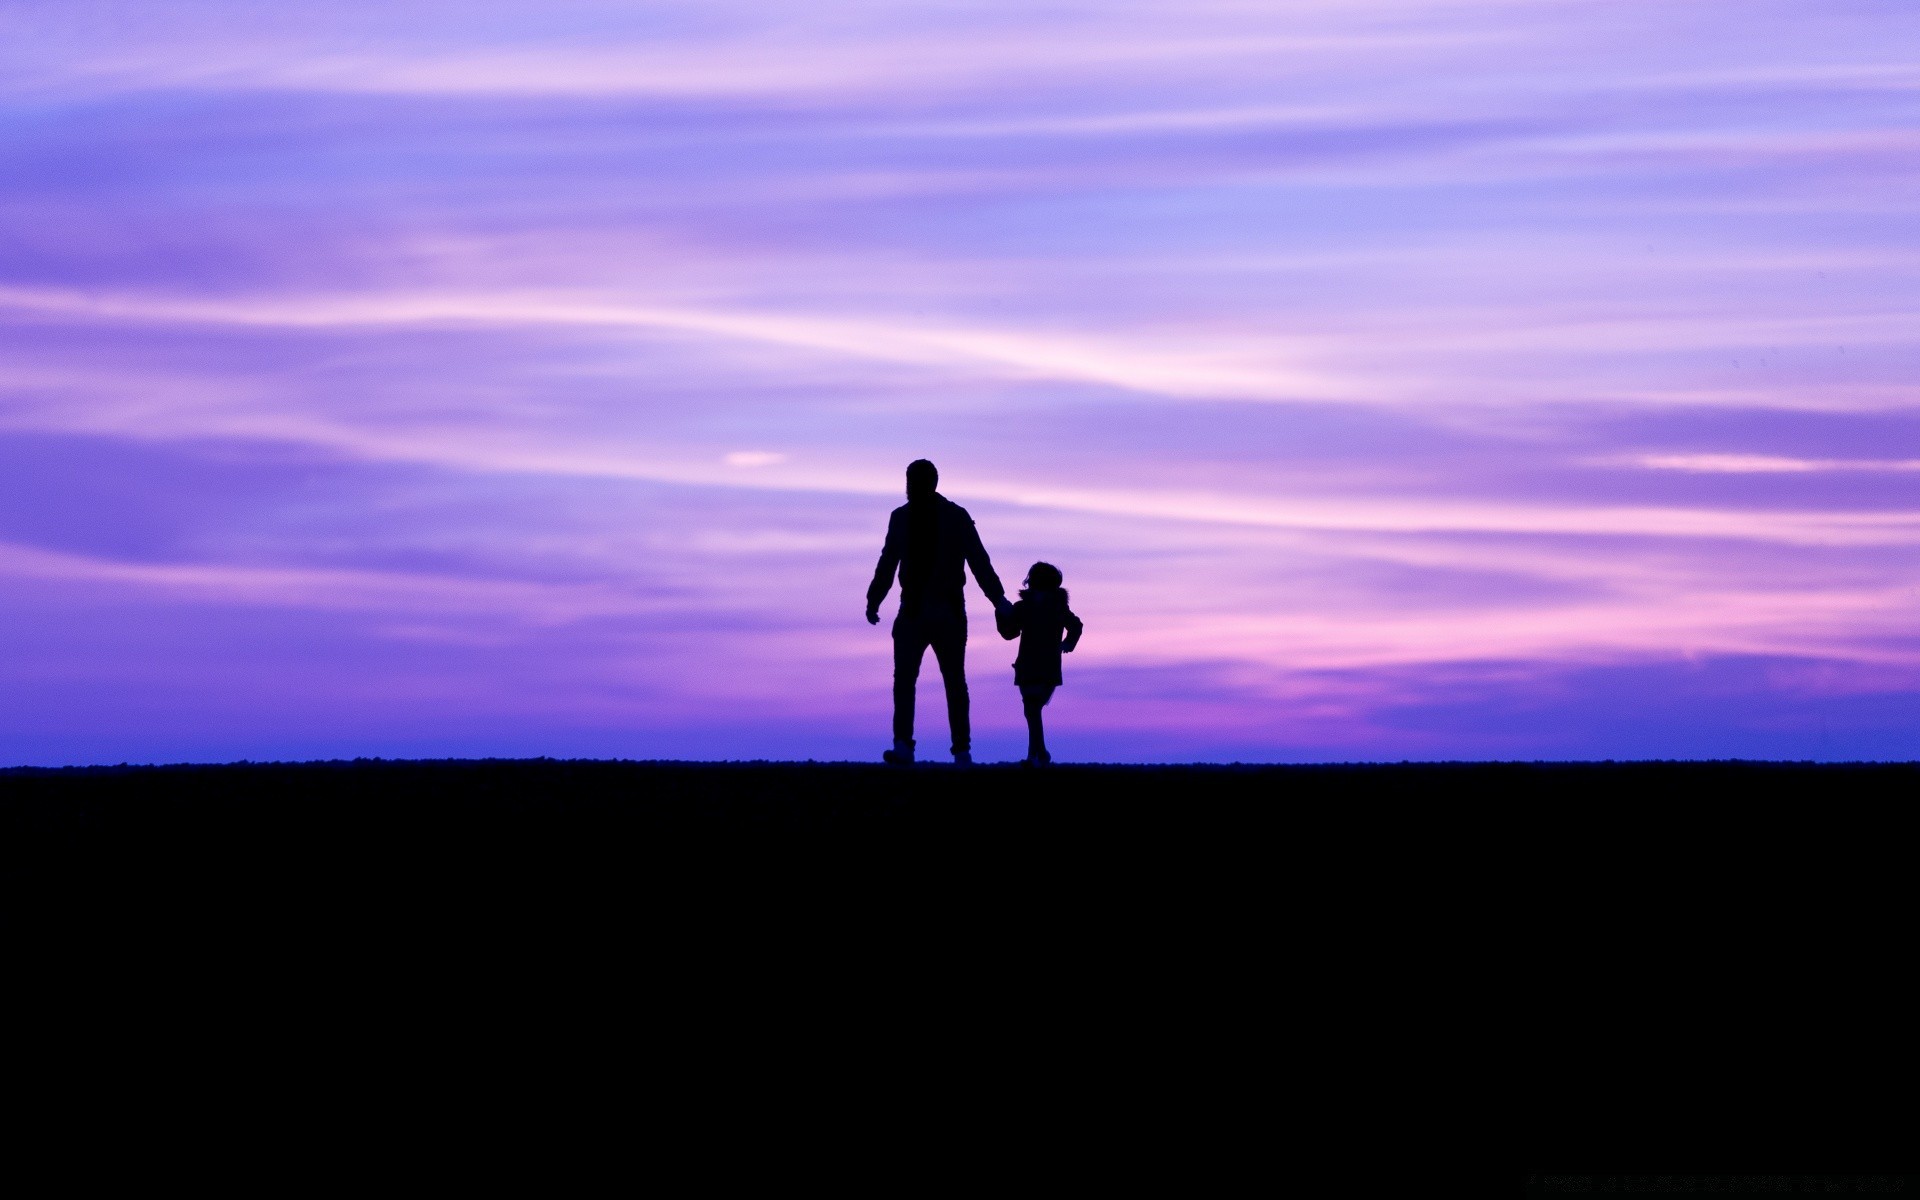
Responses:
[1039,621]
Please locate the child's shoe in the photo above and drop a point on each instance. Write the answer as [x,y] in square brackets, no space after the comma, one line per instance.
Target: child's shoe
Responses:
[901,755]
[963,758]
[1039,758]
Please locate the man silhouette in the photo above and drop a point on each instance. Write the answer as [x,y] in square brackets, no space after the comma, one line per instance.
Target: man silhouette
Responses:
[929,539]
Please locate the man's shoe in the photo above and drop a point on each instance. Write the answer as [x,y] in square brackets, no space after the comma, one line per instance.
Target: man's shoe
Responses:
[1038,760]
[900,756]
[962,758]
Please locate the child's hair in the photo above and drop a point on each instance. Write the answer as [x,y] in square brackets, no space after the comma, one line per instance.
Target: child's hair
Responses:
[1043,577]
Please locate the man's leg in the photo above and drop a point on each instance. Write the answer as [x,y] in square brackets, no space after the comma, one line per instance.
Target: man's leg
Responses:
[950,650]
[909,648]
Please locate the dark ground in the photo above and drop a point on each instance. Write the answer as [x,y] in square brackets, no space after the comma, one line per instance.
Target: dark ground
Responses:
[1056,860]
[573,823]
[1627,952]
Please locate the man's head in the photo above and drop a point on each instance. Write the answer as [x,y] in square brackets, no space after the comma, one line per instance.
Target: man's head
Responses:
[922,478]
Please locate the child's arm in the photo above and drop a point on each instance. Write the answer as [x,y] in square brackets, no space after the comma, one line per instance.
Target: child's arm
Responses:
[1073,632]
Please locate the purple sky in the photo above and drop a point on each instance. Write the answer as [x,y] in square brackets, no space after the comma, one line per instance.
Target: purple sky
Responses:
[1391,378]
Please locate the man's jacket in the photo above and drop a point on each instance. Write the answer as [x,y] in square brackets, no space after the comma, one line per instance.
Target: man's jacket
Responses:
[934,573]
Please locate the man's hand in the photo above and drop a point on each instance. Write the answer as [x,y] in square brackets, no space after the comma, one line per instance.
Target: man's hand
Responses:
[1002,604]
[873,615]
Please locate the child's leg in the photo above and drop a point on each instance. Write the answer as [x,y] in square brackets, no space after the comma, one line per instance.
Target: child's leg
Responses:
[1034,699]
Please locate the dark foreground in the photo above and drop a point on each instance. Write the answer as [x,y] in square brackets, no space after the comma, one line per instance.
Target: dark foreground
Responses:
[572,822]
[1346,941]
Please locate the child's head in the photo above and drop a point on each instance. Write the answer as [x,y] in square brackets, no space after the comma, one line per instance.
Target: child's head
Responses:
[1042,577]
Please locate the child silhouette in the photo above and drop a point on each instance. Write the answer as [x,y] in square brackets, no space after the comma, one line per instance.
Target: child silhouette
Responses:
[1038,619]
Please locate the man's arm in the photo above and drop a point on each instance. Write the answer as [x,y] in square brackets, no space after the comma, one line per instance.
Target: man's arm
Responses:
[883,570]
[1007,621]
[982,567]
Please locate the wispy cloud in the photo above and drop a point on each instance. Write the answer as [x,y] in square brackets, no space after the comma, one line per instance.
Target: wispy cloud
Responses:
[753,458]
[1766,464]
[734,50]
[1002,351]
[307,587]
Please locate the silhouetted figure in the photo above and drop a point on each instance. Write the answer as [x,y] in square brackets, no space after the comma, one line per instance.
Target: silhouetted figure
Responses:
[1039,620]
[929,540]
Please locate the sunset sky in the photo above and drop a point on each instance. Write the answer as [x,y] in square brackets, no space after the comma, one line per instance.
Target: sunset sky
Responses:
[1392,379]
